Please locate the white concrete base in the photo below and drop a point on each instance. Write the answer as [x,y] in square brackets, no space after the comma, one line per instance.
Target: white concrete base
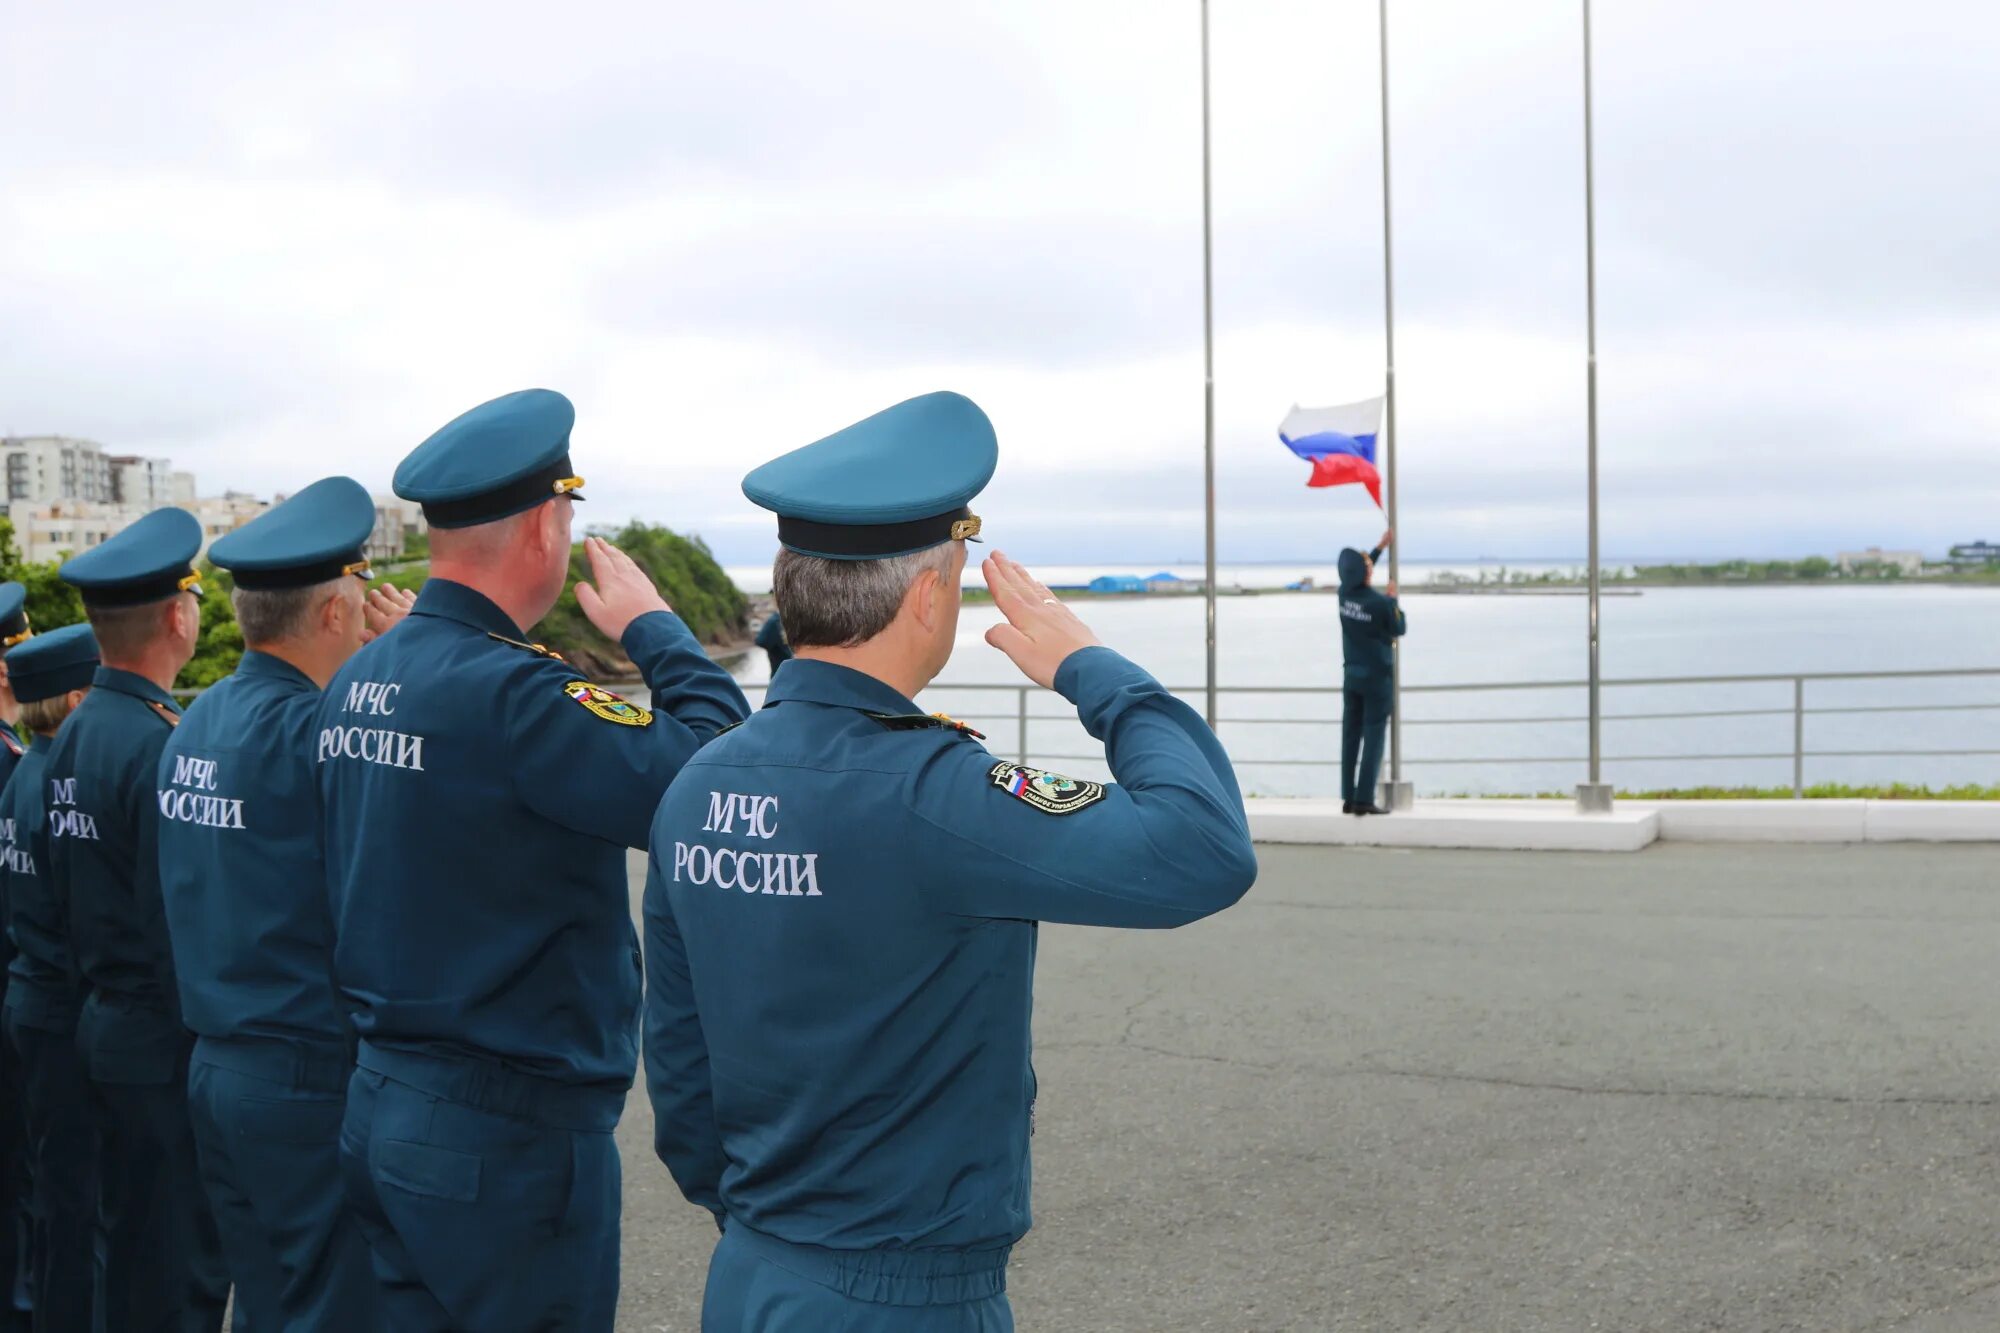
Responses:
[1540,826]
[1934,821]
[1760,821]
[1556,826]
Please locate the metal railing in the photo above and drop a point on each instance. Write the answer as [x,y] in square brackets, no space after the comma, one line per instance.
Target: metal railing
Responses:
[1023,716]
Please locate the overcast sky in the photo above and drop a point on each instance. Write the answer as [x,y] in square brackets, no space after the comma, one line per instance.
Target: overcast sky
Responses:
[275,244]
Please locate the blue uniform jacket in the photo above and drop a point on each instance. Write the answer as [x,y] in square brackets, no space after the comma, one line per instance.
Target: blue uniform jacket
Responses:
[103,829]
[840,919]
[478,797]
[241,870]
[42,985]
[1370,624]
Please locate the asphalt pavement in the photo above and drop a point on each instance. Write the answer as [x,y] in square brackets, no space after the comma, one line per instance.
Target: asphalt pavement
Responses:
[1697,1088]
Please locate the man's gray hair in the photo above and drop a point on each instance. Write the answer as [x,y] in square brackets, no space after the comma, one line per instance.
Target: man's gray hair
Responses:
[843,603]
[272,615]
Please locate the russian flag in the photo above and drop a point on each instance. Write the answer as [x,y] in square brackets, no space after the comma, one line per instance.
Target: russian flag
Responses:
[1338,441]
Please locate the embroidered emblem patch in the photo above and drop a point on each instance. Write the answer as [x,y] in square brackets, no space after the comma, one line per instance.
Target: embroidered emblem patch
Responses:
[1050,793]
[608,705]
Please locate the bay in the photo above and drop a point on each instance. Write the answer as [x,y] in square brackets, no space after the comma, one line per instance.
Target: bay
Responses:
[1461,742]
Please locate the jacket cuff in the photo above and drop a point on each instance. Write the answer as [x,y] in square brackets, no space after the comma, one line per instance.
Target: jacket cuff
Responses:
[651,632]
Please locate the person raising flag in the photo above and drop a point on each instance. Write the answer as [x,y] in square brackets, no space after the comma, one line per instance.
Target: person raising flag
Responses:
[1370,624]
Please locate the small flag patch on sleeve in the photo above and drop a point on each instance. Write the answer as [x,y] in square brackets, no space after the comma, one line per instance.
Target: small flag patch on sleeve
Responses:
[609,706]
[1050,793]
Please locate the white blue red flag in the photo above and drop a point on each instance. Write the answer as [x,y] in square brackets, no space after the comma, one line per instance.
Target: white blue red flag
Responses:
[1338,441]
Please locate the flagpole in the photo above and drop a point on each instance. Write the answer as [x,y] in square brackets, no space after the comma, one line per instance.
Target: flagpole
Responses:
[1400,795]
[1593,795]
[1208,365]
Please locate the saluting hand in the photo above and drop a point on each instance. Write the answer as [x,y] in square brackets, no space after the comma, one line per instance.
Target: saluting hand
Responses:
[619,591]
[1040,631]
[384,609]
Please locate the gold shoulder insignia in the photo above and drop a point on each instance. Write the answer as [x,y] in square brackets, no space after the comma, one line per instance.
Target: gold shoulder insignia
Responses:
[922,722]
[167,715]
[1050,793]
[539,650]
[607,705]
[954,724]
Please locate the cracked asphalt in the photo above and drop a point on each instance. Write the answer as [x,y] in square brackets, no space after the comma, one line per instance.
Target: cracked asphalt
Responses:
[1699,1088]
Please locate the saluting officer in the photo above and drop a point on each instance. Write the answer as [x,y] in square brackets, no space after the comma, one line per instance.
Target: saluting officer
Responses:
[244,883]
[14,630]
[479,795]
[162,1262]
[842,900]
[49,674]
[15,1224]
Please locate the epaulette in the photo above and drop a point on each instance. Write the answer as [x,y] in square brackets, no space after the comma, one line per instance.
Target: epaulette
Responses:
[924,722]
[539,650]
[167,715]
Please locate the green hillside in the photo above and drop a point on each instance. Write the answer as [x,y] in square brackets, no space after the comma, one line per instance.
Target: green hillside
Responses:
[692,582]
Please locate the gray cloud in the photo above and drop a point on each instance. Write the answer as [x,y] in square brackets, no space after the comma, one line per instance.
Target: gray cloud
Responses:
[274,242]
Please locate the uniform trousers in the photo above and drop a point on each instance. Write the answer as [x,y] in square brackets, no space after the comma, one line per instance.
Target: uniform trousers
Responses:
[758,1284]
[1364,718]
[62,1166]
[16,1218]
[490,1199]
[161,1269]
[267,1125]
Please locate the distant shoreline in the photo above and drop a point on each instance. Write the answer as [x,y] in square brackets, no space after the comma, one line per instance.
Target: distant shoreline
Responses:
[1538,588]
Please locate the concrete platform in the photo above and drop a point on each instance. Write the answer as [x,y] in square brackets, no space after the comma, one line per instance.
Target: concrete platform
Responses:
[1826,821]
[1541,826]
[1555,826]
[1761,821]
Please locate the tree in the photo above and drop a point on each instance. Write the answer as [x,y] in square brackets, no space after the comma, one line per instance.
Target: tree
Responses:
[220,646]
[683,568]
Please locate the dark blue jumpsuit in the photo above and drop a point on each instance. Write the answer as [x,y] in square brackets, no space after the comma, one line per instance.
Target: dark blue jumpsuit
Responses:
[162,1266]
[771,638]
[479,797]
[840,919]
[244,883]
[1370,623]
[43,997]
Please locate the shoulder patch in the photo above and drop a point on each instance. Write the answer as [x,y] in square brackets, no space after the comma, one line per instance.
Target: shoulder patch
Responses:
[1050,793]
[167,715]
[537,649]
[609,706]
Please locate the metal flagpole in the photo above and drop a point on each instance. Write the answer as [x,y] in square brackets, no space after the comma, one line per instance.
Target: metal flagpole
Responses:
[1208,362]
[1594,795]
[1400,794]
